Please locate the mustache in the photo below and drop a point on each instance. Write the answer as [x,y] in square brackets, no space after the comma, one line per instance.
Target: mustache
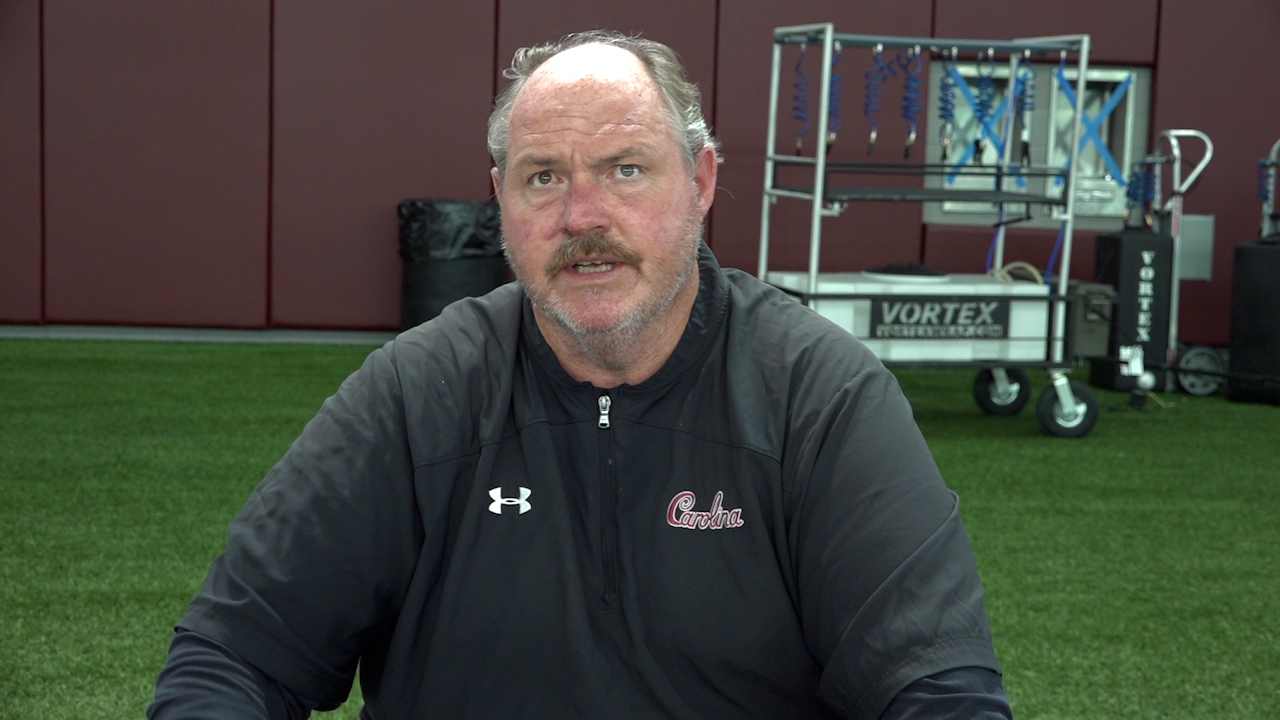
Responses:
[576,247]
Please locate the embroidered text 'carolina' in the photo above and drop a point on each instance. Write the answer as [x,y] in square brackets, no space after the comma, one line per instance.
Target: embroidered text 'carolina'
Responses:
[680,513]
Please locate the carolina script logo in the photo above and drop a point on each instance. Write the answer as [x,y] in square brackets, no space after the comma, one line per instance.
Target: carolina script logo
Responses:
[680,513]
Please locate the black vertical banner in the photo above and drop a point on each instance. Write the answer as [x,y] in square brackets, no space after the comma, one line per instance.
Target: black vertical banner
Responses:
[1139,265]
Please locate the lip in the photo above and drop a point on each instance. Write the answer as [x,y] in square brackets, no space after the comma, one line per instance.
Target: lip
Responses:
[572,271]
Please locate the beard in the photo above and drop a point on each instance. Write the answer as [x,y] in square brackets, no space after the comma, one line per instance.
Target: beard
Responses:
[612,347]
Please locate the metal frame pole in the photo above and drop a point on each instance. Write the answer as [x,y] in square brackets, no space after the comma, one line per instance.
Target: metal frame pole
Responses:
[1064,262]
[771,141]
[1176,193]
[1175,230]
[1006,155]
[820,167]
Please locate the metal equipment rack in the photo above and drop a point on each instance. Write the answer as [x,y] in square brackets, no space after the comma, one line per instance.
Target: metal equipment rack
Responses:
[1068,408]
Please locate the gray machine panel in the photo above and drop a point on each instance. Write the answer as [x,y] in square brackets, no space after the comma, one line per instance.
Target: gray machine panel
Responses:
[1100,195]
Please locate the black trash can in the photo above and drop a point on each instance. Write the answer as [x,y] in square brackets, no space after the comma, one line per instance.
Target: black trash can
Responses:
[450,249]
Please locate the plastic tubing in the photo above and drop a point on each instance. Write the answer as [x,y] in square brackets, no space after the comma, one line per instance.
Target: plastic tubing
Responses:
[833,105]
[800,101]
[1053,258]
[875,77]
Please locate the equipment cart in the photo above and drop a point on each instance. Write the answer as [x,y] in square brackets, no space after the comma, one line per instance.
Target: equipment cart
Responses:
[992,322]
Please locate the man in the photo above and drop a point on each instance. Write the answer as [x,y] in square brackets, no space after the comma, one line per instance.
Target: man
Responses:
[632,484]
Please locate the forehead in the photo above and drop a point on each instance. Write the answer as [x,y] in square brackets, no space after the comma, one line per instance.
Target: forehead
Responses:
[592,91]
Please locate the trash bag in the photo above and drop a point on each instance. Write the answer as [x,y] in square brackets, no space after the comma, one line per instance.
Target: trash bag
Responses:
[450,249]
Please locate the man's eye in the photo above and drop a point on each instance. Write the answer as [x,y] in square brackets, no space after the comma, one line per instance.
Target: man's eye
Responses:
[628,171]
[542,179]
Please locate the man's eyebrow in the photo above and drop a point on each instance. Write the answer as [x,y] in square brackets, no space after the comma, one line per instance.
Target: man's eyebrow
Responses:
[628,153]
[548,161]
[534,161]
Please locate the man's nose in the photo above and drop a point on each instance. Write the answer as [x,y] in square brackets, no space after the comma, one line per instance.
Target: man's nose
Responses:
[584,210]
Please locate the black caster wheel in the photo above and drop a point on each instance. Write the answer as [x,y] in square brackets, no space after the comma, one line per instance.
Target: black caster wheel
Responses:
[1200,358]
[1068,422]
[1009,402]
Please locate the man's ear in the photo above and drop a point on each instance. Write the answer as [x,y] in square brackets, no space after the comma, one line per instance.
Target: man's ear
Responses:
[705,169]
[497,183]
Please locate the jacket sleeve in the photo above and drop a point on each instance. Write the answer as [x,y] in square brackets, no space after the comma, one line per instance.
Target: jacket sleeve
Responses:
[888,588]
[204,679]
[970,693]
[318,560]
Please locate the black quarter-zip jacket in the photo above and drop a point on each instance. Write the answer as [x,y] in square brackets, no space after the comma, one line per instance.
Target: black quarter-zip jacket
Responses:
[758,530]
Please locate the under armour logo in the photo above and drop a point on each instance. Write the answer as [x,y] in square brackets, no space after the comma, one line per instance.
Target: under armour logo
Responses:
[495,507]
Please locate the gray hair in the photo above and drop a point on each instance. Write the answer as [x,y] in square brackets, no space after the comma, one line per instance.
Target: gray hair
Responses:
[681,98]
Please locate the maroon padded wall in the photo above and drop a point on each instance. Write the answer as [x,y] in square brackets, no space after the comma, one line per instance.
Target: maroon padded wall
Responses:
[1121,32]
[238,162]
[688,26]
[1218,76]
[964,249]
[868,234]
[20,272]
[156,162]
[374,102]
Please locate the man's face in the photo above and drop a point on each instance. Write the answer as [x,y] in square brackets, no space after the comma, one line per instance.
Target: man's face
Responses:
[601,216]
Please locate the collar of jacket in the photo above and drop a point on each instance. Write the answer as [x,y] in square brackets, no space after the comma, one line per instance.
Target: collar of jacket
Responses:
[705,322]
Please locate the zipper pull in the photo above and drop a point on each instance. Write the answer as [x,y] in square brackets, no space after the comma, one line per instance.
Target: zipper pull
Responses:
[604,412]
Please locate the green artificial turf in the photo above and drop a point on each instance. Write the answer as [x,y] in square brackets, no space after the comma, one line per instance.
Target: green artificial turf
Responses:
[1133,573]
[1130,574]
[121,466]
